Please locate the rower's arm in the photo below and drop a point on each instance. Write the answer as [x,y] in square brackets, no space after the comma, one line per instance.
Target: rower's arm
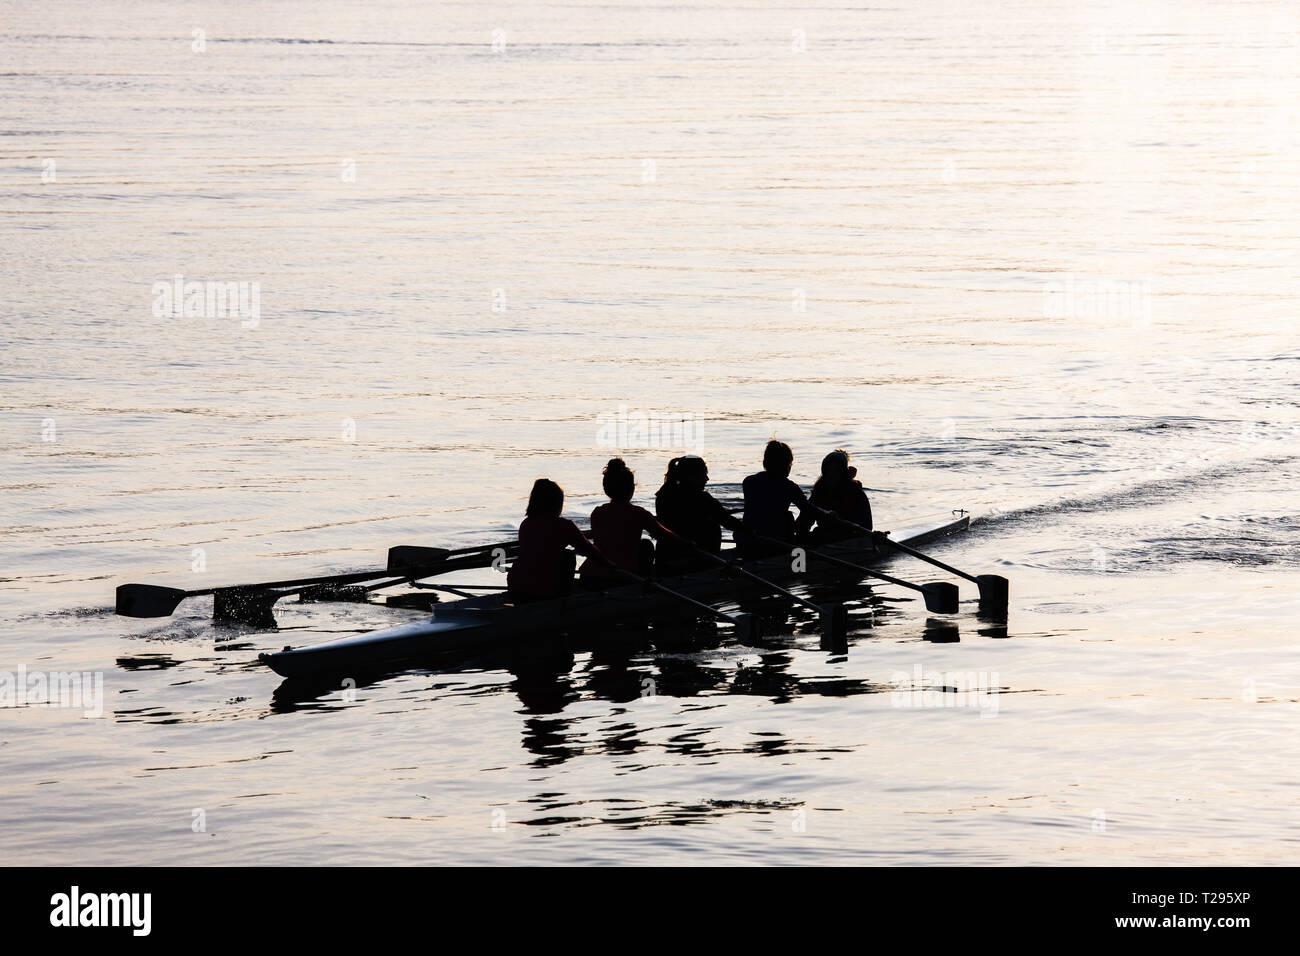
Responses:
[582,544]
[728,520]
[807,515]
[653,526]
[808,512]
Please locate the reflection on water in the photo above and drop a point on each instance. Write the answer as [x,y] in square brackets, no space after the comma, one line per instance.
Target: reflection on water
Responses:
[632,814]
[147,662]
[938,631]
[632,666]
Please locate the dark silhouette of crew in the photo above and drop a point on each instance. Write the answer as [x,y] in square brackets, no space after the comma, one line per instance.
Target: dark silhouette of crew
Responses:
[768,497]
[616,530]
[691,514]
[544,566]
[839,492]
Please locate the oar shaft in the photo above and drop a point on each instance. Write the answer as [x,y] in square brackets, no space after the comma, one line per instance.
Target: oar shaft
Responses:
[773,585]
[719,559]
[506,546]
[925,557]
[880,536]
[684,598]
[831,559]
[356,577]
[353,577]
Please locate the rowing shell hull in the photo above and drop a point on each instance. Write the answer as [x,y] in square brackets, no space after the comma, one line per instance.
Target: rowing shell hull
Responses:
[483,621]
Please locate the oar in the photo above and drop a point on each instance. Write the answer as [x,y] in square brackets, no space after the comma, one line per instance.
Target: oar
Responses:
[748,626]
[152,600]
[359,593]
[994,588]
[834,617]
[940,596]
[404,556]
[417,562]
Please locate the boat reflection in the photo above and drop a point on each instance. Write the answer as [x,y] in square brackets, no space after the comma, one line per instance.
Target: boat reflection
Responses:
[993,625]
[147,662]
[941,631]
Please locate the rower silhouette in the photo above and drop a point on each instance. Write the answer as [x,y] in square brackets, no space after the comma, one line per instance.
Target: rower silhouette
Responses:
[616,530]
[768,497]
[839,492]
[686,509]
[544,567]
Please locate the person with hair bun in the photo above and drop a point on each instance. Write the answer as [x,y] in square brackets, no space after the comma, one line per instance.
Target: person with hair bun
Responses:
[839,492]
[544,566]
[694,516]
[616,530]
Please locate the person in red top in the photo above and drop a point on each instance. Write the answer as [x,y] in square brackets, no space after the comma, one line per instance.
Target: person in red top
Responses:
[544,567]
[616,529]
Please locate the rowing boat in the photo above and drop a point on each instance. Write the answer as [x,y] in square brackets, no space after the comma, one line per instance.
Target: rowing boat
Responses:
[479,622]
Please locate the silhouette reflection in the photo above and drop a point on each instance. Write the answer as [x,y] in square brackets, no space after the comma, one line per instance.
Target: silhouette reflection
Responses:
[676,664]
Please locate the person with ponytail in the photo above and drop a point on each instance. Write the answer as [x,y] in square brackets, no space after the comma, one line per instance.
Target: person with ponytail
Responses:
[839,492]
[616,530]
[694,516]
[544,566]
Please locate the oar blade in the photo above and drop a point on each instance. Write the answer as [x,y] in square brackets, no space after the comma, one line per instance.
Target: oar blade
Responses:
[835,627]
[940,597]
[994,590]
[408,557]
[749,627]
[148,600]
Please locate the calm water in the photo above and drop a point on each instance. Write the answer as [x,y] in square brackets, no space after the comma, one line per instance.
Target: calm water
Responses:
[876,227]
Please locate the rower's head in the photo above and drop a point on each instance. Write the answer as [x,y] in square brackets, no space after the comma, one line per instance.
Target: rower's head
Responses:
[688,472]
[836,471]
[778,459]
[835,466]
[618,481]
[546,499]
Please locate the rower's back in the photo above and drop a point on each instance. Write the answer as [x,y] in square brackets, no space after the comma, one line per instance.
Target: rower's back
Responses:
[686,509]
[769,495]
[544,566]
[616,528]
[839,491]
